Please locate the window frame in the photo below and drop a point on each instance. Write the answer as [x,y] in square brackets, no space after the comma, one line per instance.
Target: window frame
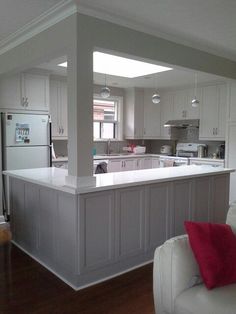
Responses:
[118,129]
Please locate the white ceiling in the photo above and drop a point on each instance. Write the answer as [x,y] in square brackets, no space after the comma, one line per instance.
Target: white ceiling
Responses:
[206,24]
[169,79]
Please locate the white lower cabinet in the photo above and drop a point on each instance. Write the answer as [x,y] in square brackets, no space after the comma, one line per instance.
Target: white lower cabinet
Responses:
[127,164]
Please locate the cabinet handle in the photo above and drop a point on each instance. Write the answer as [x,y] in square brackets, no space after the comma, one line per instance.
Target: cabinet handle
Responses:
[62,130]
[144,131]
[183,114]
[213,131]
[124,164]
[59,130]
[26,102]
[216,131]
[23,101]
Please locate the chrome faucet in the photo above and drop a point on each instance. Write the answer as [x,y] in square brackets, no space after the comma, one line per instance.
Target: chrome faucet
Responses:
[108,146]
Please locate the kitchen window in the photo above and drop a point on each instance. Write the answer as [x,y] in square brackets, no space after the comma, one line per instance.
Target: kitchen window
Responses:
[107,118]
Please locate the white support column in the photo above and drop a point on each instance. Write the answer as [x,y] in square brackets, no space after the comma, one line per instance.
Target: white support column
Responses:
[80,108]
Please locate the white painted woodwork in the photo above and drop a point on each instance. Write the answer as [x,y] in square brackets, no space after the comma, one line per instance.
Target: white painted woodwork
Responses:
[155,162]
[25,91]
[126,164]
[157,215]
[130,209]
[213,113]
[182,106]
[201,201]
[97,230]
[166,114]
[58,108]
[181,205]
[88,237]
[152,116]
[35,91]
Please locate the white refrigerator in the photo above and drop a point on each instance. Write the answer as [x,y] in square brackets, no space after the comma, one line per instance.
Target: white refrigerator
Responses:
[26,143]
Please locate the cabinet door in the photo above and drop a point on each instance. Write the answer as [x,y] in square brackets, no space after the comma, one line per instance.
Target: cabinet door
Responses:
[155,162]
[180,99]
[193,112]
[35,89]
[157,215]
[138,114]
[114,165]
[146,163]
[220,202]
[96,230]
[128,164]
[209,112]
[152,117]
[166,114]
[181,206]
[10,92]
[129,222]
[201,207]
[54,107]
[221,128]
[63,108]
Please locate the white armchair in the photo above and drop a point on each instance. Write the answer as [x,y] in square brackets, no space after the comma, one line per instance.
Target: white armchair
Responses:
[177,285]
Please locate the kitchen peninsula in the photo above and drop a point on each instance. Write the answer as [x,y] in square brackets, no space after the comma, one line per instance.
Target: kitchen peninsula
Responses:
[91,232]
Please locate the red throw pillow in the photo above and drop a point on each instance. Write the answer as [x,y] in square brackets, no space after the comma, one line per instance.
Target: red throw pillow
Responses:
[214,247]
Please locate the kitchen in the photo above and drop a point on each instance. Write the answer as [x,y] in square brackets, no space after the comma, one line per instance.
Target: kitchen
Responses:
[175,97]
[127,200]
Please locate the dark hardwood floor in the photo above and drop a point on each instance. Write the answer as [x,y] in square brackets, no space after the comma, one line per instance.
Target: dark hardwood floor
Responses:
[26,287]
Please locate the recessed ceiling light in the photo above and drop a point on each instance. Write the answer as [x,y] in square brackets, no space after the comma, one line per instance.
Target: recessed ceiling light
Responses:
[124,67]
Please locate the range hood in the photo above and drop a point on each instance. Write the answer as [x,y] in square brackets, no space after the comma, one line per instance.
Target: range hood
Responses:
[183,123]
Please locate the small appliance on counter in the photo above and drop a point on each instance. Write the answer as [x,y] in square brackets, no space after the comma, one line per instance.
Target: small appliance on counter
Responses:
[166,150]
[220,153]
[202,150]
[191,150]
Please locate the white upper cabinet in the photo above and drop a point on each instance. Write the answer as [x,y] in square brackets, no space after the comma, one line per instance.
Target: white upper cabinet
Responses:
[152,114]
[58,108]
[213,113]
[35,91]
[232,101]
[166,114]
[25,91]
[142,117]
[182,107]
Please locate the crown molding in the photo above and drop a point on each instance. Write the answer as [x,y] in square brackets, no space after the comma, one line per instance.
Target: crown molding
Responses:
[52,16]
[87,7]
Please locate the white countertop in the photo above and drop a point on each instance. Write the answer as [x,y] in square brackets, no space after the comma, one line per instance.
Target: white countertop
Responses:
[57,178]
[132,155]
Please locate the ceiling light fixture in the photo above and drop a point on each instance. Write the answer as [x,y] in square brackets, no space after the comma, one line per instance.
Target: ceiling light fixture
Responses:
[105,91]
[155,97]
[195,102]
[119,66]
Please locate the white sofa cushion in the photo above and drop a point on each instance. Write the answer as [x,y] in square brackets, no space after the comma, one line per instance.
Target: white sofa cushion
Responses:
[175,269]
[199,300]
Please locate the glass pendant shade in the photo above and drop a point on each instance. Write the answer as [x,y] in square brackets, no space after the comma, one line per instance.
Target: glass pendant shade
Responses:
[195,102]
[105,92]
[156,98]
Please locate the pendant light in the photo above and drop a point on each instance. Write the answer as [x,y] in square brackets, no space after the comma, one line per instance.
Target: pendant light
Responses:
[105,91]
[195,102]
[155,97]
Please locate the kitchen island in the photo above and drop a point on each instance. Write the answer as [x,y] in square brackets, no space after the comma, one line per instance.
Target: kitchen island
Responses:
[99,228]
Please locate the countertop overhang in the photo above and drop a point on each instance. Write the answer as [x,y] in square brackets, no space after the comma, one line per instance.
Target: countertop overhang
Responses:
[58,178]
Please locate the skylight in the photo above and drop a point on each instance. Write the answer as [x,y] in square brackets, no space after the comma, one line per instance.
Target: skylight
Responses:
[124,67]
